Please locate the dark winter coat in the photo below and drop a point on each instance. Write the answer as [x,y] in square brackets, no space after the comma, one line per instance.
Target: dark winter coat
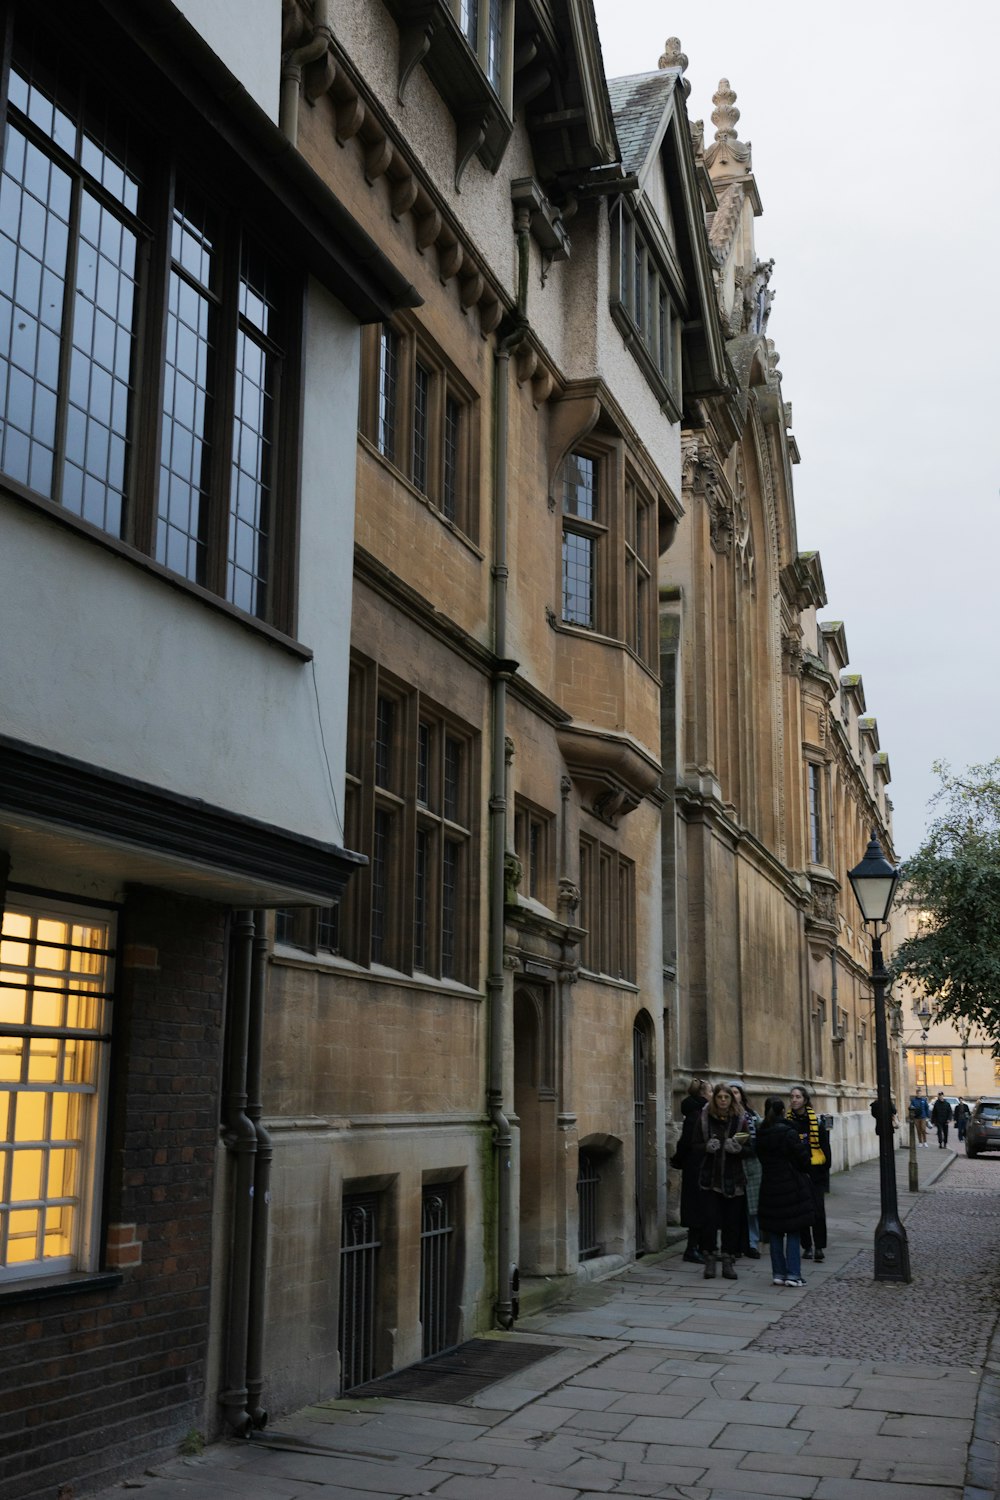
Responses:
[940,1112]
[820,1171]
[786,1202]
[719,1171]
[691,1107]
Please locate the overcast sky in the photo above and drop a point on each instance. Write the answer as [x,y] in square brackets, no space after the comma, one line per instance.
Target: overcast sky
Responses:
[873,129]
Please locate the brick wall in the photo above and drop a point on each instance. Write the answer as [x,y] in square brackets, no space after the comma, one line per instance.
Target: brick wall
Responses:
[97,1382]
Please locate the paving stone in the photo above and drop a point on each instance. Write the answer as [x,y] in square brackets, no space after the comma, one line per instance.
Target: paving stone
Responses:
[675,1403]
[658,1456]
[754,1413]
[815,1465]
[955,1430]
[834,1419]
[935,1400]
[759,1439]
[686,1433]
[654,1476]
[891,1449]
[619,1380]
[497,1487]
[903,1473]
[809,1395]
[860,1489]
[720,1483]
[599,1421]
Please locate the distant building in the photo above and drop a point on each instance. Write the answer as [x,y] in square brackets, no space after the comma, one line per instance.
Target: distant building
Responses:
[776,779]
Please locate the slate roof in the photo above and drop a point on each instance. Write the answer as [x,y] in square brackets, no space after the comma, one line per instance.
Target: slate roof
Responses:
[638,103]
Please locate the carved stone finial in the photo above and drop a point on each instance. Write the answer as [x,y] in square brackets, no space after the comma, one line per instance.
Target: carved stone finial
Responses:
[673,57]
[725,114]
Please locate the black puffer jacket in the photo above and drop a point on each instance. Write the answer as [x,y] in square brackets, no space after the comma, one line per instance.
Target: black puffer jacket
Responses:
[786,1203]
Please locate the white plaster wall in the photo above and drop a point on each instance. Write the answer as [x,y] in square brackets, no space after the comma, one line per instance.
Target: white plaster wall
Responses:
[246,35]
[113,666]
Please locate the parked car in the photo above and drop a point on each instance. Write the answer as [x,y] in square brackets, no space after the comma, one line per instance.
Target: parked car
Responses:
[983,1131]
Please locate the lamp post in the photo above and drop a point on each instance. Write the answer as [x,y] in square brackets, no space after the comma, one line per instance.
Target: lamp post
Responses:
[874,883]
[924,1017]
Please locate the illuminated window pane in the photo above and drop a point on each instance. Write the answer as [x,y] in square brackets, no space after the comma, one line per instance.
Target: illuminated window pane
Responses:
[51,1100]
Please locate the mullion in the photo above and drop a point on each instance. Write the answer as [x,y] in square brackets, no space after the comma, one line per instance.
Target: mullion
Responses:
[221,426]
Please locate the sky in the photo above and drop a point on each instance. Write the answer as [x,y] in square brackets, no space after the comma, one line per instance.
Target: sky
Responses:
[873,129]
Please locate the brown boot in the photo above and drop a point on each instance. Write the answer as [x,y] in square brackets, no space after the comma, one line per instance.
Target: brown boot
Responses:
[728,1270]
[709,1267]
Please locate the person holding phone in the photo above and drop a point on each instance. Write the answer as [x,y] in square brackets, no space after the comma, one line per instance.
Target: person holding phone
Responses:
[720,1141]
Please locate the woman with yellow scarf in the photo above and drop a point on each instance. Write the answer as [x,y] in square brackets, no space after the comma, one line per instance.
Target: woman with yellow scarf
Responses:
[817,1137]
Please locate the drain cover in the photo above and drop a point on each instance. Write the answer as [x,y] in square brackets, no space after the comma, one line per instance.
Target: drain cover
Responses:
[453,1377]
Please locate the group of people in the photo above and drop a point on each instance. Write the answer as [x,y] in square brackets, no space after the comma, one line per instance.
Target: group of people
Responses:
[745,1177]
[940,1114]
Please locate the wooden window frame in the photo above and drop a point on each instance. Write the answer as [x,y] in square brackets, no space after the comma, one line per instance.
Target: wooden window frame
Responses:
[815,828]
[534,844]
[646,306]
[607,912]
[143,488]
[428,479]
[443,822]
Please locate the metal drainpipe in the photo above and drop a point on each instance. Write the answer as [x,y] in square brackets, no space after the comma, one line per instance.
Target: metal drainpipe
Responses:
[241,1140]
[503,671]
[261,1177]
[294,62]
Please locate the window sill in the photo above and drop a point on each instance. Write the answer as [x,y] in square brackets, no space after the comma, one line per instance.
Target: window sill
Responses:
[628,985]
[38,1289]
[297,958]
[457,532]
[17,492]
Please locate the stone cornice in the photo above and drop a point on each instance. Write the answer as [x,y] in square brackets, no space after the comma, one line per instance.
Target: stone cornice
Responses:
[696,807]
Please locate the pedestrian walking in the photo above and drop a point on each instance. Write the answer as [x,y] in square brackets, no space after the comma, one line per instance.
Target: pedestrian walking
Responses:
[699,1092]
[719,1143]
[962,1113]
[941,1114]
[817,1137]
[786,1197]
[750,1233]
[921,1114]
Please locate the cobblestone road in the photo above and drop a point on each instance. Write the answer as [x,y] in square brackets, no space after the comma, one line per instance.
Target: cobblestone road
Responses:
[946,1313]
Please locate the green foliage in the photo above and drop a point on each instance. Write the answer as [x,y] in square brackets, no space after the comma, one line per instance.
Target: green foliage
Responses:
[954,881]
[192,1443]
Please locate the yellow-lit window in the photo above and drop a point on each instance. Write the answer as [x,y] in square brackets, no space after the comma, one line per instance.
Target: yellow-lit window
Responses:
[934,1069]
[55,1022]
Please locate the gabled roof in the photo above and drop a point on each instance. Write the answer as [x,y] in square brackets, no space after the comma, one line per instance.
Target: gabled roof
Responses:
[645,106]
[640,104]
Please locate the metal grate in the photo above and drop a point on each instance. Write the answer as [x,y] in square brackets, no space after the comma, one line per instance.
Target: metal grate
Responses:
[587,1181]
[436,1235]
[456,1376]
[359,1247]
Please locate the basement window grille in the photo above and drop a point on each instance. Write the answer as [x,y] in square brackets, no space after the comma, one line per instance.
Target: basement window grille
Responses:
[437,1232]
[587,1182]
[359,1261]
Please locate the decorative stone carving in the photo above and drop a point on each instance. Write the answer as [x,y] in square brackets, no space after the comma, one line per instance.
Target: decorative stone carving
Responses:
[725,115]
[673,57]
[513,872]
[743,531]
[791,655]
[568,899]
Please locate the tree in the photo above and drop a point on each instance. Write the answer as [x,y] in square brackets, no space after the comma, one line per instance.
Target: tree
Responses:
[953,880]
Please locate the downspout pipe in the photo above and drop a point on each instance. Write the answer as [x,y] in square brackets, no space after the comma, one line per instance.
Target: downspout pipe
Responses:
[503,670]
[240,1139]
[261,1177]
[292,65]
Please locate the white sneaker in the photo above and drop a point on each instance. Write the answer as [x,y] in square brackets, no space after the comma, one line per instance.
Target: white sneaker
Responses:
[794,1281]
[777,1280]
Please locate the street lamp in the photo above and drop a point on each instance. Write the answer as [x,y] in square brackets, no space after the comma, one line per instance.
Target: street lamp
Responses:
[874,883]
[924,1017]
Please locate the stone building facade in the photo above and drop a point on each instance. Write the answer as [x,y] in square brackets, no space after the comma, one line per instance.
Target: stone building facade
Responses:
[776,769]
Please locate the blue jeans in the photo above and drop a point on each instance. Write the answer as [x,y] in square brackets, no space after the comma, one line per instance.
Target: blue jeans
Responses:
[786,1254]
